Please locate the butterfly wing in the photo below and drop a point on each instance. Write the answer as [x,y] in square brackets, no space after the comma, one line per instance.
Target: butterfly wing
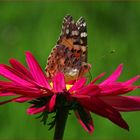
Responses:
[70,54]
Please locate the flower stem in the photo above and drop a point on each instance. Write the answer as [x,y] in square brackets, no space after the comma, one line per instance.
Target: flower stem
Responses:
[62,115]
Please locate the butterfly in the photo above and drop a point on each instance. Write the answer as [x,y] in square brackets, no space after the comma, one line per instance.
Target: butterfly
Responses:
[69,55]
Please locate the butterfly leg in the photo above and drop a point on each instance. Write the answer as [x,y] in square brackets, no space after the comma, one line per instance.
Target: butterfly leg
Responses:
[84,69]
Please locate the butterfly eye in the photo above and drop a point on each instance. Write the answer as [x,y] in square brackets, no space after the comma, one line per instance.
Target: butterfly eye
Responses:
[86,65]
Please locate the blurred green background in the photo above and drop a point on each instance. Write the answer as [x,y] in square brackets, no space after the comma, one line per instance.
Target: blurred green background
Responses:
[36,27]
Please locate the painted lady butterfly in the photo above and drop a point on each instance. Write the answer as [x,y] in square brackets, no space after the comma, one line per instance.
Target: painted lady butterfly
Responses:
[70,53]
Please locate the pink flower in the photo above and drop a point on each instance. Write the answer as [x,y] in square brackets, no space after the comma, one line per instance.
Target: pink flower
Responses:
[106,99]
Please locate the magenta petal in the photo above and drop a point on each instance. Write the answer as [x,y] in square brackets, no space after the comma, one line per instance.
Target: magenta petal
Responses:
[80,96]
[19,67]
[59,82]
[110,113]
[89,125]
[12,75]
[7,94]
[51,103]
[18,73]
[123,103]
[78,84]
[21,90]
[131,81]
[114,76]
[99,107]
[97,78]
[36,70]
[23,99]
[33,110]
[89,90]
[116,89]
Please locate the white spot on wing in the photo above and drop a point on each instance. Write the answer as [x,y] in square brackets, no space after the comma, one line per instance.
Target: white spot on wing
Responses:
[83,48]
[84,34]
[84,24]
[75,32]
[72,21]
[67,31]
[73,72]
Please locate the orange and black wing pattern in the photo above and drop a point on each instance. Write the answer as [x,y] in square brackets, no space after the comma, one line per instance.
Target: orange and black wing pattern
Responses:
[69,56]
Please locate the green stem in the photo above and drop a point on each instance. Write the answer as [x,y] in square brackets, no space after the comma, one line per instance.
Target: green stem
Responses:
[62,115]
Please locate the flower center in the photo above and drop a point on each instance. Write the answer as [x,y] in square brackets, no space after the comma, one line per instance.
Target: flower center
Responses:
[68,86]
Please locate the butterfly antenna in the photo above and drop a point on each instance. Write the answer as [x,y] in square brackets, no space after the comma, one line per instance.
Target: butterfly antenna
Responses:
[90,76]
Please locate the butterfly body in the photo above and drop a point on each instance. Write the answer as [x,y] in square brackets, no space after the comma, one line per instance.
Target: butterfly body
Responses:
[70,54]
